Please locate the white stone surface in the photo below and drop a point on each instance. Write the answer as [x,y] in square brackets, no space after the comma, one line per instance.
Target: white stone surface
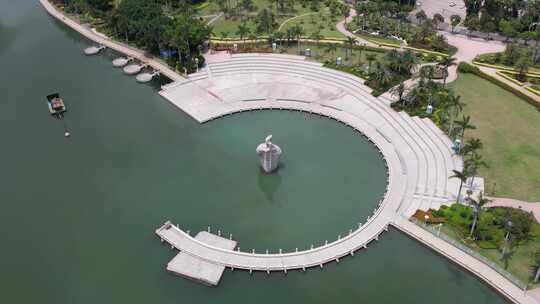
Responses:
[192,267]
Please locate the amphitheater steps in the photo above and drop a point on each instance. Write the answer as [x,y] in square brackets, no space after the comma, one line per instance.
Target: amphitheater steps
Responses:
[433,164]
[438,152]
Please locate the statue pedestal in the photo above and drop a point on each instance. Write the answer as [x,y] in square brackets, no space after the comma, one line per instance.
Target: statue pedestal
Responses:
[269,155]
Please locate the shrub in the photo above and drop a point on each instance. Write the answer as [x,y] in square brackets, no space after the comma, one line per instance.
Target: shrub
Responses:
[464,67]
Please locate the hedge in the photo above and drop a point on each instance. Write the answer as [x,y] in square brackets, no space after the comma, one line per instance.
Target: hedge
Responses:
[230,41]
[503,68]
[503,75]
[536,92]
[464,67]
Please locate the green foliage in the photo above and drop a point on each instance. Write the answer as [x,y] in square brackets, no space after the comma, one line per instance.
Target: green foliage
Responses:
[492,224]
[140,21]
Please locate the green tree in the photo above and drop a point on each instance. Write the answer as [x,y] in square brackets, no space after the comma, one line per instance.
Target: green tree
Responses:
[421,16]
[142,22]
[243,31]
[350,43]
[465,124]
[536,261]
[508,30]
[522,68]
[446,62]
[266,21]
[471,146]
[370,58]
[331,48]
[186,34]
[462,176]
[454,21]
[456,106]
[298,33]
[438,19]
[477,208]
[473,162]
[399,92]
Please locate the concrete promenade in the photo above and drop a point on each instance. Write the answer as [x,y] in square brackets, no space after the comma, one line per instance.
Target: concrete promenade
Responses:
[99,38]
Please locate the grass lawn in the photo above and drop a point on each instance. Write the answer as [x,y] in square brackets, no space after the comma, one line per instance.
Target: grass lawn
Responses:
[315,21]
[510,130]
[309,23]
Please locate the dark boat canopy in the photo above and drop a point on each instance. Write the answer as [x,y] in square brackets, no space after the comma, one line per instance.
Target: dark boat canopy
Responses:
[52,96]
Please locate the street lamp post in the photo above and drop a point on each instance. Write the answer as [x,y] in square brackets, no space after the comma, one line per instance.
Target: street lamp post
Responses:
[509,225]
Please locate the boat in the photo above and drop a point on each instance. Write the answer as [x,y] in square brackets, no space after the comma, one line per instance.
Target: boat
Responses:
[56,105]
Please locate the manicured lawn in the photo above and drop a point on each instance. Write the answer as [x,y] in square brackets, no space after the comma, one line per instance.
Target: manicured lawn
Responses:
[316,21]
[510,130]
[309,23]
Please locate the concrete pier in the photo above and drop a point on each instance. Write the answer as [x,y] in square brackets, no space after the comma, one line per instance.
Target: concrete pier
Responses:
[193,267]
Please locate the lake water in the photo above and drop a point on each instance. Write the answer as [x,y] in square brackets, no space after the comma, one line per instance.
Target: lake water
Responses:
[78,214]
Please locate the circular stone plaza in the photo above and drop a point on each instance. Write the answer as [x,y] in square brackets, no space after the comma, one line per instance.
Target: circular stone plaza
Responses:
[417,154]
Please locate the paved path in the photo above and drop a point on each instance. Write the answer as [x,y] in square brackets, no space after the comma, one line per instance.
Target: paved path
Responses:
[342,28]
[99,38]
[292,18]
[514,203]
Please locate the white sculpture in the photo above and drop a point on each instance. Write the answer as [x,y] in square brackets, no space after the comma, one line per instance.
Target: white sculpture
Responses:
[269,154]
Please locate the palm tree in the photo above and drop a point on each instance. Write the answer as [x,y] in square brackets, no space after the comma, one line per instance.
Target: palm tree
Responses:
[462,176]
[456,106]
[316,36]
[446,62]
[331,48]
[472,164]
[278,36]
[290,35]
[465,124]
[536,258]
[224,34]
[477,207]
[471,146]
[370,58]
[399,91]
[243,31]
[298,32]
[350,42]
[381,75]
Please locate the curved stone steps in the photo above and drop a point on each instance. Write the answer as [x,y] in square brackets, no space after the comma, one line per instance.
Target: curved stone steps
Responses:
[441,161]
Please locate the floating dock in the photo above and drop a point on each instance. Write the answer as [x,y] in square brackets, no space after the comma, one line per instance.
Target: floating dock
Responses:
[122,61]
[133,69]
[93,50]
[192,267]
